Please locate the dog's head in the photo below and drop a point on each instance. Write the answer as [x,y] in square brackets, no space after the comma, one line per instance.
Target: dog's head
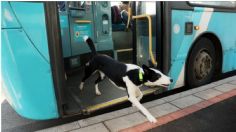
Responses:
[155,77]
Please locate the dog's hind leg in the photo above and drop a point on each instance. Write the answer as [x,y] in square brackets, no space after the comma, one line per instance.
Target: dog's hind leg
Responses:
[81,86]
[102,75]
[99,79]
[87,73]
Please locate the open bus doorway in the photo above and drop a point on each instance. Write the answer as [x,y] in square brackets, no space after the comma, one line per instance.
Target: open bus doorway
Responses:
[115,33]
[94,19]
[111,29]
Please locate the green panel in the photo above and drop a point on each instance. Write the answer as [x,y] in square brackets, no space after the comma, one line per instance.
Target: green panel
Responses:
[81,30]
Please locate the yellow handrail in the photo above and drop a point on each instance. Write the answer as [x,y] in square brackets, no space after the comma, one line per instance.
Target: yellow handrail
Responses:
[129,15]
[149,34]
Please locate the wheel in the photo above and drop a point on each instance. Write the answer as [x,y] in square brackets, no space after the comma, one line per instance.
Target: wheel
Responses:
[201,63]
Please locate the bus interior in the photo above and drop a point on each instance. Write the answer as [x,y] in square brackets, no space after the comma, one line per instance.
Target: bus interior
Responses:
[105,23]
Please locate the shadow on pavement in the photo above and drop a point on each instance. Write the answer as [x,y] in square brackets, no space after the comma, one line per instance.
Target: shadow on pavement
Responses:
[12,122]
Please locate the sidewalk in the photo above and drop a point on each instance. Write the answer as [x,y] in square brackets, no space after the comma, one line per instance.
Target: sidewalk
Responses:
[165,110]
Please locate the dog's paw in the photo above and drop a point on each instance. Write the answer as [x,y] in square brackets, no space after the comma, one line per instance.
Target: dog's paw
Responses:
[98,93]
[152,119]
[81,86]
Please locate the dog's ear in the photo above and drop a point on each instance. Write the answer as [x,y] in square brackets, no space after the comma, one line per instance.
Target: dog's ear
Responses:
[145,69]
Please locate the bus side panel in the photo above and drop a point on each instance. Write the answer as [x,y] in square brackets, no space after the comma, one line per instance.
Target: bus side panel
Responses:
[223,24]
[26,75]
[31,16]
[181,43]
[10,19]
[209,21]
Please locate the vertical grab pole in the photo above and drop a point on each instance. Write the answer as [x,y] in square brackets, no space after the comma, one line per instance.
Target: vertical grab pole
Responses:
[149,34]
[129,15]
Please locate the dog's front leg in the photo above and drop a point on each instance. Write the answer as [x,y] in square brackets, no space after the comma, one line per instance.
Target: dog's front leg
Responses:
[132,98]
[139,93]
[142,109]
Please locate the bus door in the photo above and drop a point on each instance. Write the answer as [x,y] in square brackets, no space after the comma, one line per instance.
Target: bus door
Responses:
[145,19]
[27,75]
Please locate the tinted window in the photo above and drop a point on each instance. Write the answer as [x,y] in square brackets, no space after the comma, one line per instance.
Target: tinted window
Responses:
[229,4]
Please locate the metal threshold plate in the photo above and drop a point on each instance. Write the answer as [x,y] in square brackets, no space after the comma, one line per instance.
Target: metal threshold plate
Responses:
[114,102]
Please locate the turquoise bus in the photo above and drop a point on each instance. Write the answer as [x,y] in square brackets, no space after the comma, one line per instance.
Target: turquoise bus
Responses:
[43,52]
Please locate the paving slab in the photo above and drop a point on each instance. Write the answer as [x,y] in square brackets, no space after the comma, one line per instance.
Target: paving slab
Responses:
[225,87]
[229,79]
[153,103]
[188,92]
[107,116]
[173,97]
[62,128]
[186,101]
[93,128]
[233,82]
[207,94]
[117,124]
[204,87]
[163,109]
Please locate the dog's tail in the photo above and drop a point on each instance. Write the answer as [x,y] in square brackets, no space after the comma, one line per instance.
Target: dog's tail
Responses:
[90,43]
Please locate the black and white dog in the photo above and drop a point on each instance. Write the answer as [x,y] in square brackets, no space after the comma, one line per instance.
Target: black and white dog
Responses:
[128,77]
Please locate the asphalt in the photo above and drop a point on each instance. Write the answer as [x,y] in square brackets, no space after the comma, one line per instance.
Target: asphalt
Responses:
[216,118]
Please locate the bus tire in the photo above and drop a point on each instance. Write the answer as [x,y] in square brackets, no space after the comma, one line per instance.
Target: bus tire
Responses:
[201,63]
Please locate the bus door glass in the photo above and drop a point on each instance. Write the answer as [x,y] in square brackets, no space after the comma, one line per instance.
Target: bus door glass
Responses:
[143,11]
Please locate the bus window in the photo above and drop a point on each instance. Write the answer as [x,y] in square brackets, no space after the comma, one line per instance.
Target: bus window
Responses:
[121,32]
[226,4]
[80,4]
[148,8]
[119,13]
